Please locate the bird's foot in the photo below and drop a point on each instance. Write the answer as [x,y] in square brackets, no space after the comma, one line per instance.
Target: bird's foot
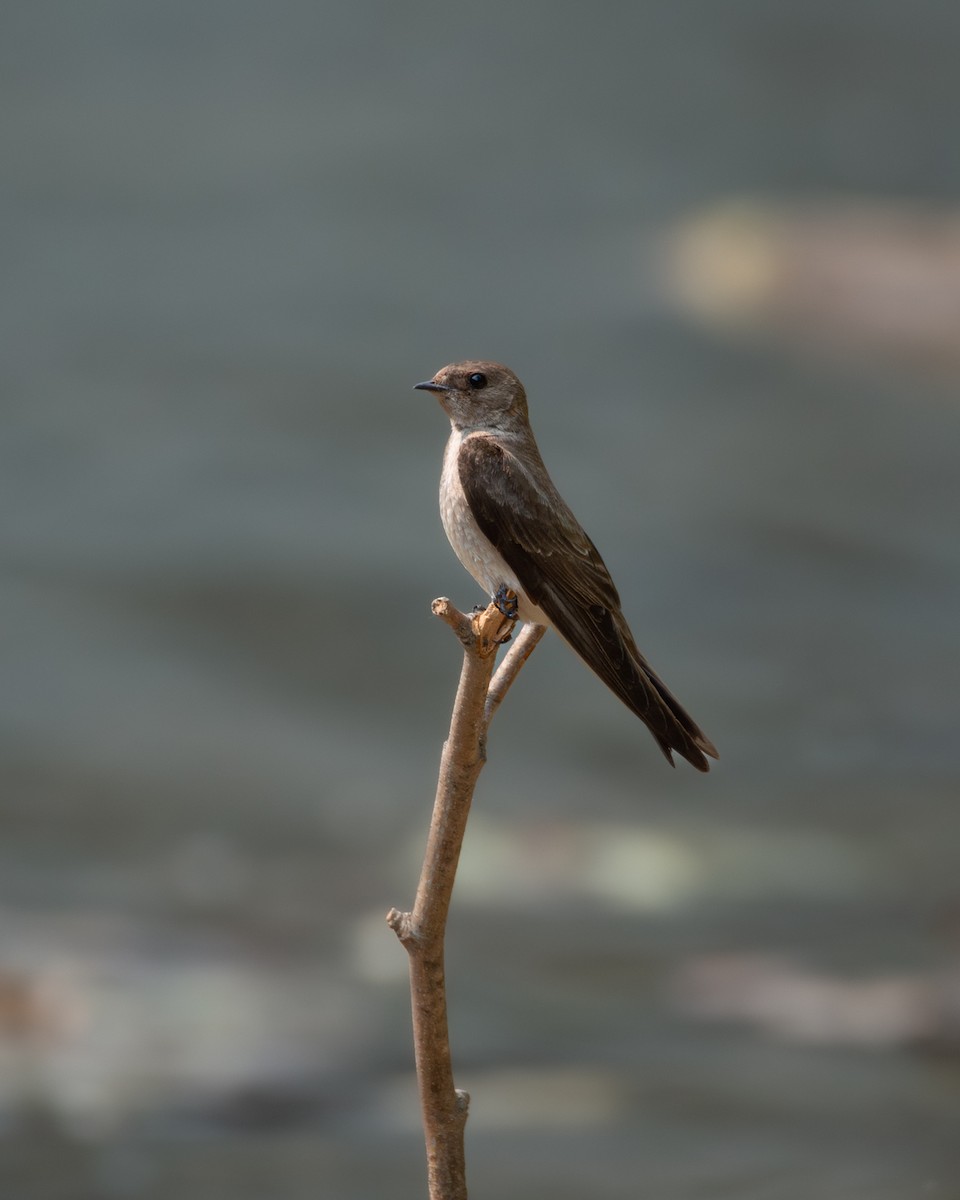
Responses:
[506,602]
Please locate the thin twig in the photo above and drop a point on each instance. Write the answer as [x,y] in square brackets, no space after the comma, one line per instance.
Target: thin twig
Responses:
[421,931]
[509,669]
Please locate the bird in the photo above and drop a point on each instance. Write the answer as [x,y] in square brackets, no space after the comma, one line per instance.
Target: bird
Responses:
[513,532]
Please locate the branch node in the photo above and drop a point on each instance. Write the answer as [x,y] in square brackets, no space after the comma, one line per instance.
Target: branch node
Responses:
[401,924]
[482,632]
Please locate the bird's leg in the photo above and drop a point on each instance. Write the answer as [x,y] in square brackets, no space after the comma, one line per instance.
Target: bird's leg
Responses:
[506,602]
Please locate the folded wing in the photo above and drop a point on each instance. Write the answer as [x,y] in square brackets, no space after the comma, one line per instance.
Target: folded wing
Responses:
[562,572]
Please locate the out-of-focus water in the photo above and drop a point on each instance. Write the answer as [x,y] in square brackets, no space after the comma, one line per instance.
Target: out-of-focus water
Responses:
[234,237]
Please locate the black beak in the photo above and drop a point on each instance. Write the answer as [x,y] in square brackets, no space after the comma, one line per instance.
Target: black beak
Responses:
[430,386]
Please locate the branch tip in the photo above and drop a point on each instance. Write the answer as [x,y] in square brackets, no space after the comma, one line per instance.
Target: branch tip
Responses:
[459,622]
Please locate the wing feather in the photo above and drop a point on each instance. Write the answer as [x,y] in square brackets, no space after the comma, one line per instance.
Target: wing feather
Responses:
[561,571]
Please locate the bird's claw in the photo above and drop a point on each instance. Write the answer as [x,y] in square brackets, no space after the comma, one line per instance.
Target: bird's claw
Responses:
[506,602]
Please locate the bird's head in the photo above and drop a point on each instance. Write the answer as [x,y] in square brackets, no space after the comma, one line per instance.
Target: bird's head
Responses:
[480,395]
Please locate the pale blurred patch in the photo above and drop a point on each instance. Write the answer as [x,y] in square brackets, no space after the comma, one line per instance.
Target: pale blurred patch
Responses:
[874,280]
[100,1024]
[647,869]
[789,1001]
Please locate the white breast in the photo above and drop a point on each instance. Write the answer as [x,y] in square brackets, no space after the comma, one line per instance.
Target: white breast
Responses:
[470,544]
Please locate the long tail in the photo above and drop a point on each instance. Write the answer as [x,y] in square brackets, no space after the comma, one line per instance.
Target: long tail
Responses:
[601,636]
[667,719]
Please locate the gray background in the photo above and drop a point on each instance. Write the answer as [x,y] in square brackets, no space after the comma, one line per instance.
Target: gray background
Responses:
[234,236]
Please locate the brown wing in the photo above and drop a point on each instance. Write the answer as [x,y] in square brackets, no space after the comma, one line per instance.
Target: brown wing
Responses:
[562,572]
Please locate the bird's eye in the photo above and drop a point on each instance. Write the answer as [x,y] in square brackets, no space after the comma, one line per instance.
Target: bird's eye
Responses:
[477,380]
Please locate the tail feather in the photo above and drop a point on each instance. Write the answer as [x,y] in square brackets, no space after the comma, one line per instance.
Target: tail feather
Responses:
[600,635]
[675,730]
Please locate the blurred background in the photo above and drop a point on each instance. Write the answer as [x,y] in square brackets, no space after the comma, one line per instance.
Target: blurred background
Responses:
[720,244]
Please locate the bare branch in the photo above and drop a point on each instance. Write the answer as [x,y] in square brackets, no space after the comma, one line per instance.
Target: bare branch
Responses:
[421,931]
